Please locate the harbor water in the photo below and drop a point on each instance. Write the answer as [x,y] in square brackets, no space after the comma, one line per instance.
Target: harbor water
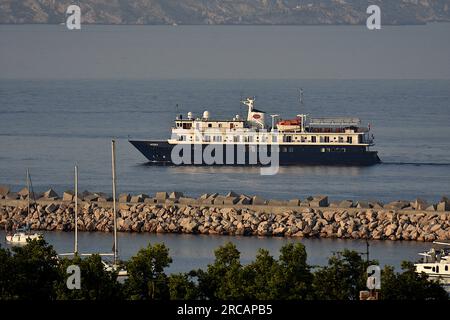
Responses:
[64,96]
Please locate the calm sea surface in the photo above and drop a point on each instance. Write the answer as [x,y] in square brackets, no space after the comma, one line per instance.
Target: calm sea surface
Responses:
[48,124]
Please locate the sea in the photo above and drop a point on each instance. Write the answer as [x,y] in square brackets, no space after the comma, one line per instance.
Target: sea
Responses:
[51,121]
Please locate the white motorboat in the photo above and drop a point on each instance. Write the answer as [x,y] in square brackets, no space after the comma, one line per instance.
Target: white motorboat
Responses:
[22,236]
[436,263]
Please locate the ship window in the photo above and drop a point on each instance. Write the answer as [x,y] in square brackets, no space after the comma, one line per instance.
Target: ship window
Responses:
[217,138]
[349,139]
[187,125]
[250,139]
[433,269]
[220,125]
[291,149]
[341,139]
[274,138]
[283,149]
[313,139]
[446,267]
[197,126]
[236,139]
[327,139]
[207,138]
[303,139]
[287,139]
[209,125]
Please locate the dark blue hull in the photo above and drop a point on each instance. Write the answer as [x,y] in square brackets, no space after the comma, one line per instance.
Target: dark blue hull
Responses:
[160,152]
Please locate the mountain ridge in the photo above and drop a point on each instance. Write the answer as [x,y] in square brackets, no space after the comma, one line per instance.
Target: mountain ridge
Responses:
[220,12]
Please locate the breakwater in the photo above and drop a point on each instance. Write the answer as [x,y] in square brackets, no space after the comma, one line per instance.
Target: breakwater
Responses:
[231,214]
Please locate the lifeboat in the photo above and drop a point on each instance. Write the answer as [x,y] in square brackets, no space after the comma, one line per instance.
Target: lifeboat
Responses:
[289,125]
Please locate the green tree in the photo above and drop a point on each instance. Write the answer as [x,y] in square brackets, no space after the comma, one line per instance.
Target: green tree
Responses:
[343,278]
[6,270]
[146,277]
[35,271]
[263,277]
[224,278]
[96,282]
[295,275]
[409,285]
[181,287]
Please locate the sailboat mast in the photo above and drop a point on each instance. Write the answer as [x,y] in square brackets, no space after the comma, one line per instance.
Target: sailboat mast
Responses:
[113,158]
[29,191]
[75,250]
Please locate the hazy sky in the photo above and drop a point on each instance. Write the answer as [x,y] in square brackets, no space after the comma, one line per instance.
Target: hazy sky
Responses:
[246,52]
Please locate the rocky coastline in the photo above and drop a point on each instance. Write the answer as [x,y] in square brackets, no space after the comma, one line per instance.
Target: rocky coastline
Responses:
[231,214]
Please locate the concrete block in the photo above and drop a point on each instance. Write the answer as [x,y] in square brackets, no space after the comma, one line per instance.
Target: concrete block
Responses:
[376,205]
[12,196]
[170,201]
[4,190]
[124,197]
[232,194]
[319,201]
[176,195]
[294,202]
[420,204]
[219,200]
[276,203]
[363,205]
[204,196]
[23,193]
[346,204]
[257,201]
[50,194]
[68,195]
[397,205]
[151,200]
[161,196]
[188,201]
[90,197]
[443,206]
[103,197]
[230,200]
[139,198]
[244,200]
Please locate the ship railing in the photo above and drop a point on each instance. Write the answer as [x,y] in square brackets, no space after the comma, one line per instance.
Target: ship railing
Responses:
[340,122]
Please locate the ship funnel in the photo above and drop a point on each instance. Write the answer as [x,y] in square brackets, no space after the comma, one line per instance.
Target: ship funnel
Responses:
[206,115]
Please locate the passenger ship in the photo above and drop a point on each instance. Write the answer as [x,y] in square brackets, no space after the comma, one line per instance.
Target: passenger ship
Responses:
[302,140]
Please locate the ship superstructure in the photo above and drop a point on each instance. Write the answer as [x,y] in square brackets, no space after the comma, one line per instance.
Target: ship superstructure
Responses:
[301,140]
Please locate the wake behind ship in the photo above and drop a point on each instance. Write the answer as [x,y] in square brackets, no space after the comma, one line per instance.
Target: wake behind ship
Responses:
[302,140]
